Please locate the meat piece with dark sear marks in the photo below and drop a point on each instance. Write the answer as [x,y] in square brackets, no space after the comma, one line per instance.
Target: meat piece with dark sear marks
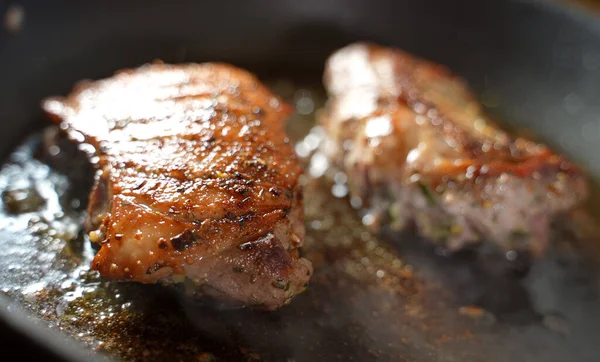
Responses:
[188,159]
[418,150]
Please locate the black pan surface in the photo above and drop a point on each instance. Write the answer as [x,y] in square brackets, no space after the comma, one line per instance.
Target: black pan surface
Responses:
[535,65]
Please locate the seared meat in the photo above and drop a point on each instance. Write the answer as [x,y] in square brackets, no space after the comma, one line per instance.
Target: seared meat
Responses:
[197,181]
[418,150]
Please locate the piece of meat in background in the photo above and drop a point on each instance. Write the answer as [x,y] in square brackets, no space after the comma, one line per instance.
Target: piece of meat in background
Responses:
[418,150]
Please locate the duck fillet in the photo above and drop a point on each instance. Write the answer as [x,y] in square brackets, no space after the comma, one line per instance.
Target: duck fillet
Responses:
[197,182]
[419,151]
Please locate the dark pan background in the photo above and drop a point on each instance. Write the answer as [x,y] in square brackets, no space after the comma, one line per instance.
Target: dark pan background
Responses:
[536,63]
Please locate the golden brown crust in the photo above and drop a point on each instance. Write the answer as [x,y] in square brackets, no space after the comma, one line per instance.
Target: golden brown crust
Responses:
[194,160]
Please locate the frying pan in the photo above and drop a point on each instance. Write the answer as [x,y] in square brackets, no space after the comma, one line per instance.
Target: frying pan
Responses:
[535,64]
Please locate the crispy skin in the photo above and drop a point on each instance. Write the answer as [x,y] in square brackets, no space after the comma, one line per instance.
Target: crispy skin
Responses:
[419,150]
[196,182]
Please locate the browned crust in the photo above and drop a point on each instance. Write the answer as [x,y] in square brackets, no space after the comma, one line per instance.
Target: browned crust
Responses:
[194,161]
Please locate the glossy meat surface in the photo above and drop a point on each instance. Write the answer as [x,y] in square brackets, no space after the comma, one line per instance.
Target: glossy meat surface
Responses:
[196,182]
[418,150]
